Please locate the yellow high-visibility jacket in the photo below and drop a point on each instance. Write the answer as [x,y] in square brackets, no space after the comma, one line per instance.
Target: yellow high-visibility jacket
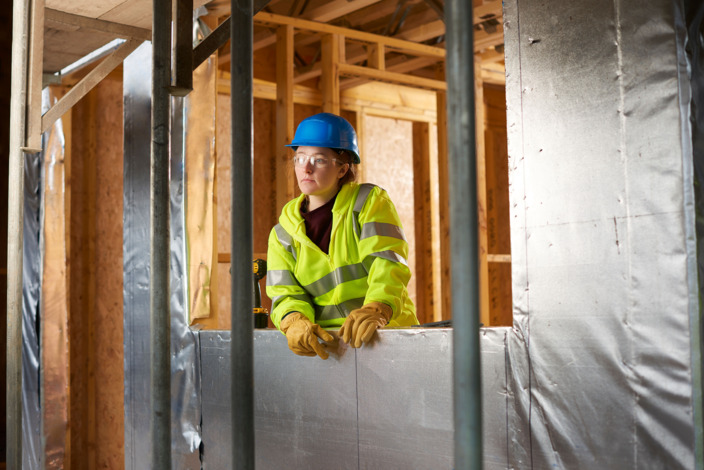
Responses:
[366,261]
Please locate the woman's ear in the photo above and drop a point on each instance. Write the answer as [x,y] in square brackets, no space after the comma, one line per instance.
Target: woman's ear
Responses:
[343,170]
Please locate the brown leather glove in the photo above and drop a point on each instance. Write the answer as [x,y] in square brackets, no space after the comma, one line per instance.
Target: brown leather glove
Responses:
[361,323]
[302,335]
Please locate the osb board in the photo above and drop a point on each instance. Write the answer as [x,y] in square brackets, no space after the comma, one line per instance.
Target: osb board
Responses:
[96,318]
[387,158]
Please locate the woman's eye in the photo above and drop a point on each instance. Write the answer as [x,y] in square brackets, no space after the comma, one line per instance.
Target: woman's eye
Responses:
[320,161]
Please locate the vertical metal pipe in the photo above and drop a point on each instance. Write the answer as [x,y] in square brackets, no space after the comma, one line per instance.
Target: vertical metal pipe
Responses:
[241,244]
[160,247]
[15,234]
[464,235]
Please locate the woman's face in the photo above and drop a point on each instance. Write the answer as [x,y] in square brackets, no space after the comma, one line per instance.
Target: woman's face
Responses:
[318,172]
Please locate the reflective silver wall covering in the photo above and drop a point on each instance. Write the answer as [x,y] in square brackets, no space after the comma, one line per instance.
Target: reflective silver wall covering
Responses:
[388,405]
[605,294]
[185,412]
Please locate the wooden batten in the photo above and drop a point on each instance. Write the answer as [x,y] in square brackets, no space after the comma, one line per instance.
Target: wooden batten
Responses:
[440,207]
[33,141]
[423,233]
[284,113]
[484,316]
[331,64]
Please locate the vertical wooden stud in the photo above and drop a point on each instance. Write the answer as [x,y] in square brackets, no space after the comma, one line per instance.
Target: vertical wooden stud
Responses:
[284,115]
[183,48]
[440,207]
[423,235]
[33,142]
[330,77]
[359,127]
[484,315]
[375,56]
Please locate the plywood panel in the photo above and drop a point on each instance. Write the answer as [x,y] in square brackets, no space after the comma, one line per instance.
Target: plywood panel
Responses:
[388,160]
[62,48]
[89,8]
[97,412]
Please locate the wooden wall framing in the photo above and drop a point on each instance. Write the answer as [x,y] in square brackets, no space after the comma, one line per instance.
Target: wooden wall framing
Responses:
[365,91]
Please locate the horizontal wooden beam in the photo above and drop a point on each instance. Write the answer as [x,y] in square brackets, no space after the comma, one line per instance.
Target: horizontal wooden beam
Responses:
[84,22]
[263,18]
[88,82]
[423,32]
[404,65]
[488,10]
[331,10]
[391,77]
[484,40]
[374,102]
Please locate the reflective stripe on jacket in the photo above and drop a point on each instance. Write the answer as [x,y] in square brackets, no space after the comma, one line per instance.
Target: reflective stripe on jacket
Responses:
[366,261]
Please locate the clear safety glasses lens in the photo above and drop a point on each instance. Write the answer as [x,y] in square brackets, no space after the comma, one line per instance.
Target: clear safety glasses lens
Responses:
[317,161]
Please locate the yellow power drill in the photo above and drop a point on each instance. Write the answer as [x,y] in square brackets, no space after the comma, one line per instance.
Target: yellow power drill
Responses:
[261,315]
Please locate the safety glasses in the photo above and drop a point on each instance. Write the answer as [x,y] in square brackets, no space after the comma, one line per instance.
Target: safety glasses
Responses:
[318,161]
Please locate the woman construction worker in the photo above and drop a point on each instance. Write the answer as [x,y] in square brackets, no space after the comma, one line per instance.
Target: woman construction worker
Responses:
[338,255]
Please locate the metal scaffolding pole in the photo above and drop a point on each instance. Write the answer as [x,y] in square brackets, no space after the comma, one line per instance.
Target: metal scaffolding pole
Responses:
[464,235]
[15,232]
[160,246]
[241,228]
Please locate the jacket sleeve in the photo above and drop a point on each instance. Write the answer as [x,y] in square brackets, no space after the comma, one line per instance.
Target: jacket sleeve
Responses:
[282,287]
[384,251]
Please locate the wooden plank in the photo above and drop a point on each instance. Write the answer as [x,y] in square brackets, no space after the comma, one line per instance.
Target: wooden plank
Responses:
[183,48]
[33,142]
[212,42]
[408,103]
[484,310]
[493,9]
[490,56]
[88,82]
[330,83]
[83,22]
[284,115]
[375,56]
[423,223]
[492,258]
[399,65]
[392,77]
[359,128]
[440,207]
[423,32]
[85,8]
[484,40]
[134,13]
[263,18]
[329,11]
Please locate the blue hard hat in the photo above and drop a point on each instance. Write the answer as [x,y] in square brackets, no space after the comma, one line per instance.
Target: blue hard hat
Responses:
[327,130]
